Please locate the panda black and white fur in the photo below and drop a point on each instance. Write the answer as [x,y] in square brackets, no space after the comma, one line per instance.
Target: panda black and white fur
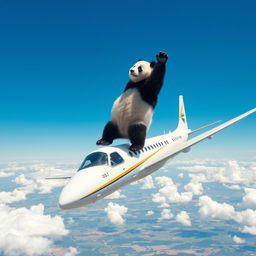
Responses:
[132,111]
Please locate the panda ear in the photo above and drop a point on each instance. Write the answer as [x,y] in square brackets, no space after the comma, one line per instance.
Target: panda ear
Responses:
[152,64]
[140,60]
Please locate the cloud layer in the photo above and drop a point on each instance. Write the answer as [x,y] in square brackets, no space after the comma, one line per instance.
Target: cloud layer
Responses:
[168,192]
[223,211]
[31,182]
[29,231]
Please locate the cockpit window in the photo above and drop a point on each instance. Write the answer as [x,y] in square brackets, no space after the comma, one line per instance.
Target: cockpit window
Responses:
[115,159]
[94,159]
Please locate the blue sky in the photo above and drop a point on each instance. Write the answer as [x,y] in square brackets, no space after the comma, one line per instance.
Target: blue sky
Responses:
[62,64]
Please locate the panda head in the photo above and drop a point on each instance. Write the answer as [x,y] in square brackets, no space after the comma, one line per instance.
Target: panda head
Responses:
[141,70]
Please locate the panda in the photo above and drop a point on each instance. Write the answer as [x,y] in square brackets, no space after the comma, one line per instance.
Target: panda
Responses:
[132,111]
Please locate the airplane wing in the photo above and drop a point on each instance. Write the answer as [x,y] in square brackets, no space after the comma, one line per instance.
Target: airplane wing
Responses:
[58,177]
[203,127]
[213,131]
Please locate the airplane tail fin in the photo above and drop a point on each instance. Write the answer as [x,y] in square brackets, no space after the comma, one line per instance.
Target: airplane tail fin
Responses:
[182,124]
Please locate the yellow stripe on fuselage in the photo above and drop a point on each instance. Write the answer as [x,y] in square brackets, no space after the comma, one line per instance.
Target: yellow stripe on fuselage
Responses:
[122,174]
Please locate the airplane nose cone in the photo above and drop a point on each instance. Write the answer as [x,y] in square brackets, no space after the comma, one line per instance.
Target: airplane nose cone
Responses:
[80,185]
[72,193]
[66,199]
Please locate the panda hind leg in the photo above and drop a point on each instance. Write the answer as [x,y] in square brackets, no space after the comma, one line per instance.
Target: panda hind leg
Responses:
[110,133]
[137,135]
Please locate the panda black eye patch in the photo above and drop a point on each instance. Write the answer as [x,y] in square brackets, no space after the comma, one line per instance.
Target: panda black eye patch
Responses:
[140,69]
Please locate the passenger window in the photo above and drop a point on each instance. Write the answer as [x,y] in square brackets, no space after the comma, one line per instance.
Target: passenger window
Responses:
[142,150]
[151,146]
[130,153]
[116,159]
[146,149]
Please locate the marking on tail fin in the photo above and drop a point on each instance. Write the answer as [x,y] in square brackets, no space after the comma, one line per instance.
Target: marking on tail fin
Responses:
[182,115]
[182,119]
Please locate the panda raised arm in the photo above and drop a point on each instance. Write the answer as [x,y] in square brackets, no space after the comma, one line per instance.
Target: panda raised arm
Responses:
[132,111]
[148,77]
[155,82]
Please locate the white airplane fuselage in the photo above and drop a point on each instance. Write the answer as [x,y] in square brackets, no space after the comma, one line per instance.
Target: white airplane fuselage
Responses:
[109,168]
[93,183]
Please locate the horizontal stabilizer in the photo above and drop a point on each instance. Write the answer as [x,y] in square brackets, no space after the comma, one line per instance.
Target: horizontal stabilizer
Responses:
[204,127]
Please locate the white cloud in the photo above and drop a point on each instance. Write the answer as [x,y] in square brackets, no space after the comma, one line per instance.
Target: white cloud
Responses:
[249,199]
[166,215]
[35,182]
[226,172]
[163,205]
[168,192]
[22,180]
[197,178]
[233,187]
[149,213]
[18,194]
[251,230]
[148,182]
[13,196]
[29,186]
[214,210]
[247,218]
[46,186]
[195,187]
[37,172]
[183,218]
[28,231]
[15,167]
[238,240]
[71,252]
[115,195]
[5,174]
[116,213]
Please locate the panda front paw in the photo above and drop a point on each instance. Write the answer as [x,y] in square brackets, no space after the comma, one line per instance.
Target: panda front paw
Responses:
[103,142]
[162,57]
[135,148]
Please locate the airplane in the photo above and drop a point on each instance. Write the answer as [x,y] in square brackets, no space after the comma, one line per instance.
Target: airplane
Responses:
[109,168]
